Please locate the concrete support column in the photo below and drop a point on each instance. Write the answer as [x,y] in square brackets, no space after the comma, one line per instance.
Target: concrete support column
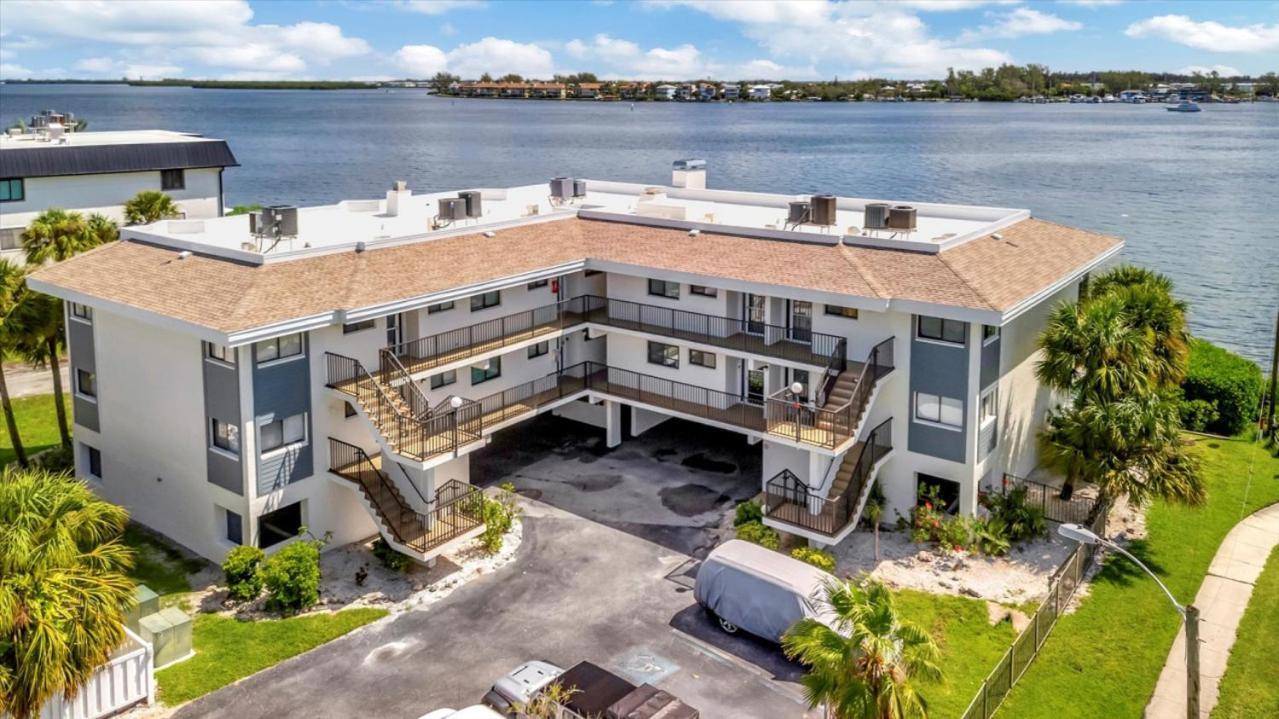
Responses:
[968,497]
[613,423]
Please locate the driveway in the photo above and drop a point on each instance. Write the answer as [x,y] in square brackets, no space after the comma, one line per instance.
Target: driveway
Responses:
[578,589]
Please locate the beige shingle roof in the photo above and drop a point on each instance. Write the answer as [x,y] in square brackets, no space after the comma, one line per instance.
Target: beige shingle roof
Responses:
[983,274]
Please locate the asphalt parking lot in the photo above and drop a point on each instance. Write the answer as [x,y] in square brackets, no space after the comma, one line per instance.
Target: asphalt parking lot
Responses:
[604,574]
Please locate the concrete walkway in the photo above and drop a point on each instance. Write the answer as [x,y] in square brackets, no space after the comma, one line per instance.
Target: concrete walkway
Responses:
[24,380]
[1222,599]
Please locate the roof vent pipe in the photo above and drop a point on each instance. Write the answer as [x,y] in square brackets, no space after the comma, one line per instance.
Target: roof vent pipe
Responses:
[397,197]
[689,174]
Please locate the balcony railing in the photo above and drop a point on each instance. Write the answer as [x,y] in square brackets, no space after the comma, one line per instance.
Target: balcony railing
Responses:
[789,499]
[668,394]
[789,343]
[790,417]
[455,510]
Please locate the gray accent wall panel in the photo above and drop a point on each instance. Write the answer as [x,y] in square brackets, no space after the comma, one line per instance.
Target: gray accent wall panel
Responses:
[222,402]
[281,390]
[941,370]
[80,344]
[990,362]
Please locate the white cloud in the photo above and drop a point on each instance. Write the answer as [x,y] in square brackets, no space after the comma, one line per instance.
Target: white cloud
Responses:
[1208,35]
[155,33]
[951,5]
[1222,70]
[1019,23]
[1091,3]
[8,69]
[437,7]
[493,55]
[614,58]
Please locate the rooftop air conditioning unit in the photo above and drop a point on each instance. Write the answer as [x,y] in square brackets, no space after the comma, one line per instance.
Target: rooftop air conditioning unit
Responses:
[800,211]
[451,209]
[280,220]
[579,188]
[473,203]
[901,217]
[562,188]
[875,216]
[823,211]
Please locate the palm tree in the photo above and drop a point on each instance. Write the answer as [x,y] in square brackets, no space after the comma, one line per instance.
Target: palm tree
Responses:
[149,206]
[13,289]
[1093,351]
[37,326]
[63,587]
[55,235]
[861,664]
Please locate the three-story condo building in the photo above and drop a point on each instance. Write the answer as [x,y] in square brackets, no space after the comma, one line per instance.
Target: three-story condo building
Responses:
[238,377]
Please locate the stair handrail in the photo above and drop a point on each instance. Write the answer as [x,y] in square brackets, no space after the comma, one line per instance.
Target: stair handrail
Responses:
[366,462]
[419,406]
[835,365]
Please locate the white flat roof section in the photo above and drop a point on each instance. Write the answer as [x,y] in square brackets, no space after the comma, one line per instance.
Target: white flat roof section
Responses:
[403,217]
[90,139]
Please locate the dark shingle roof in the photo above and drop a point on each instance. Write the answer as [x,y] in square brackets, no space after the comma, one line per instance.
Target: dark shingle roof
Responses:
[57,160]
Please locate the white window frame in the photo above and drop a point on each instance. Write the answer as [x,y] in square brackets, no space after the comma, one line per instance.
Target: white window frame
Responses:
[277,359]
[666,289]
[703,353]
[539,349]
[228,354]
[439,307]
[285,445]
[989,338]
[703,291]
[991,393]
[448,377]
[81,313]
[233,438]
[665,354]
[942,402]
[483,300]
[939,341]
[79,392]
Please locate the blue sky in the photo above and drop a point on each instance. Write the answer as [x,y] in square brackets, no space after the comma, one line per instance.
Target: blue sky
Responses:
[672,39]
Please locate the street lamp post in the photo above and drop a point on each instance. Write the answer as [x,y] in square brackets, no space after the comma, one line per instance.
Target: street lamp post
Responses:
[1189,613]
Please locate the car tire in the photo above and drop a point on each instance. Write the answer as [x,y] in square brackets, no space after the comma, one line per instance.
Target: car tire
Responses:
[727,626]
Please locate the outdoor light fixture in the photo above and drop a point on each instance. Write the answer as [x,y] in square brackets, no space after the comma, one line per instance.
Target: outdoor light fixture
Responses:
[455,402]
[797,388]
[1189,613]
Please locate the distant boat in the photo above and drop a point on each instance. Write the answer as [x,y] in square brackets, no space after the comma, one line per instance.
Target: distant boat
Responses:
[1183,106]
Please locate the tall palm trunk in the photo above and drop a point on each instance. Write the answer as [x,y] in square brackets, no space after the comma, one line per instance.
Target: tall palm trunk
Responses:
[56,368]
[10,421]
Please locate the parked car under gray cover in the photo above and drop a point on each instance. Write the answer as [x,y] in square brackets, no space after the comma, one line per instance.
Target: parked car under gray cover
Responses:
[758,590]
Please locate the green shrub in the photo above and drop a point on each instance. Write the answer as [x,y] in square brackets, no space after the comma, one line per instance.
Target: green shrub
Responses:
[1229,382]
[819,558]
[292,576]
[748,511]
[56,460]
[956,535]
[242,571]
[1020,520]
[756,532]
[990,536]
[1198,414]
[389,557]
[499,515]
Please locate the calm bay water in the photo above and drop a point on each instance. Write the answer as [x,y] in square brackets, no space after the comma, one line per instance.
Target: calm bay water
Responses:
[1194,196]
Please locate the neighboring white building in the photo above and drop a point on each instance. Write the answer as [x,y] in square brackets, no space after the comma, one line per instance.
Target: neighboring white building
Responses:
[731,91]
[230,387]
[100,171]
[760,92]
[665,92]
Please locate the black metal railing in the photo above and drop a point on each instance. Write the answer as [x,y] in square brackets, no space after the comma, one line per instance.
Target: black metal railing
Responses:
[395,375]
[835,366]
[455,510]
[789,499]
[790,417]
[675,396]
[1078,510]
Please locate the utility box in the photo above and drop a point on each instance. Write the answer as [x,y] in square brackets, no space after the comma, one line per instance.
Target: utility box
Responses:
[148,602]
[169,632]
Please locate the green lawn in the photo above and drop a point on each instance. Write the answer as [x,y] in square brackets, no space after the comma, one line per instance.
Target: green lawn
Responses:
[37,425]
[227,649]
[970,645]
[1251,685]
[158,564]
[1104,660]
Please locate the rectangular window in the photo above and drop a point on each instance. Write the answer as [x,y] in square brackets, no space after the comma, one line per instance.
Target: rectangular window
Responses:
[480,375]
[538,349]
[990,405]
[662,288]
[282,432]
[838,311]
[11,238]
[939,410]
[443,379]
[278,526]
[173,179]
[221,353]
[989,333]
[12,190]
[234,527]
[439,307]
[86,383]
[278,348]
[92,461]
[538,285]
[348,410]
[703,290]
[357,326]
[83,312]
[486,300]
[663,354]
[940,330]
[701,359]
[226,436]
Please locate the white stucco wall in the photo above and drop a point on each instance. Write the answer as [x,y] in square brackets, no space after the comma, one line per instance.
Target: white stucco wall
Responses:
[107,193]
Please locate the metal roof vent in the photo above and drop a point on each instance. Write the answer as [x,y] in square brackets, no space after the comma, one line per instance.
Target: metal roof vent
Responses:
[694,232]
[184,254]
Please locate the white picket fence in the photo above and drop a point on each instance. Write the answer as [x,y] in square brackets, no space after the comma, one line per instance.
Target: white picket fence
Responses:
[128,679]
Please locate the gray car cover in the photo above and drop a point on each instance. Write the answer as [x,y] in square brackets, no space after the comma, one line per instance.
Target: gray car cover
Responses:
[761,591]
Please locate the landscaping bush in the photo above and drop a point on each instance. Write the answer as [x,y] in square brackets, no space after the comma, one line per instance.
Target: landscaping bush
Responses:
[292,576]
[991,536]
[819,558]
[757,533]
[57,460]
[242,571]
[1020,520]
[1230,383]
[1198,415]
[748,511]
[499,516]
[389,557]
